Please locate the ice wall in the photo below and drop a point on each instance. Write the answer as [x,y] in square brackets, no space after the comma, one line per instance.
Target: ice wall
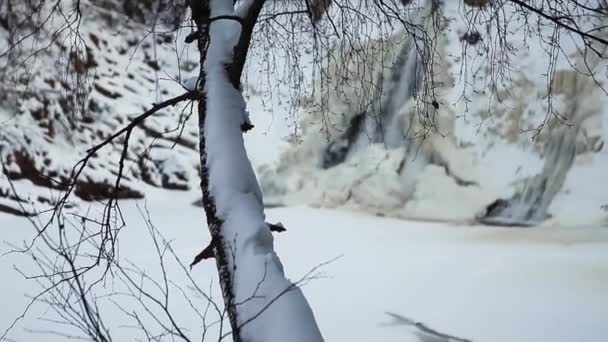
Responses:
[400,150]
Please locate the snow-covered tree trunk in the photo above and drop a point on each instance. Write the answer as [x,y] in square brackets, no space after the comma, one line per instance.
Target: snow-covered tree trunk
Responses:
[262,304]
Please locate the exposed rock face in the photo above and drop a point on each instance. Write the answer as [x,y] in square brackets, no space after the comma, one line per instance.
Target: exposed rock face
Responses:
[477,3]
[165,12]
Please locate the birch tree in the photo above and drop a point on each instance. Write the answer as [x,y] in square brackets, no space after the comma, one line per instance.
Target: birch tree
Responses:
[262,304]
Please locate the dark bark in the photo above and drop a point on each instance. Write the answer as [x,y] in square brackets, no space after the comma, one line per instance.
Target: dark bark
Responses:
[214,223]
[217,249]
[235,70]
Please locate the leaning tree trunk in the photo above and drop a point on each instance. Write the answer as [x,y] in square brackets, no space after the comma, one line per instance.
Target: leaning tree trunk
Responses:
[262,305]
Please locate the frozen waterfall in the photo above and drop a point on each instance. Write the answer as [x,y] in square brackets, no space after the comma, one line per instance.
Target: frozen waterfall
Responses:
[393,139]
[384,124]
[529,206]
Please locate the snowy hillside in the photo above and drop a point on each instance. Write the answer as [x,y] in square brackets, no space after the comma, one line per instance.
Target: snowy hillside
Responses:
[68,96]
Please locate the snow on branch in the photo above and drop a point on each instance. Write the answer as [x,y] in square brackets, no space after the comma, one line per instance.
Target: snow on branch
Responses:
[425,332]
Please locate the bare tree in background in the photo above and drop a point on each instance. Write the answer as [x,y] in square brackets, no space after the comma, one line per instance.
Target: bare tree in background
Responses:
[255,291]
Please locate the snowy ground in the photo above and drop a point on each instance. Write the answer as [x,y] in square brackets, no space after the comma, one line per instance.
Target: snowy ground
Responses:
[481,283]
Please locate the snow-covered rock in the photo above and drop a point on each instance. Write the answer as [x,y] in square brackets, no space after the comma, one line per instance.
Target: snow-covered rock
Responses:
[81,88]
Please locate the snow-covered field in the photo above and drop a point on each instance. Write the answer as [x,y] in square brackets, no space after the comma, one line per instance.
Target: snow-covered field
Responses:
[475,282]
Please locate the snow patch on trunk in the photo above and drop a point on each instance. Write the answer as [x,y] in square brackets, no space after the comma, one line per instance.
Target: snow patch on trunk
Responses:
[269,306]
